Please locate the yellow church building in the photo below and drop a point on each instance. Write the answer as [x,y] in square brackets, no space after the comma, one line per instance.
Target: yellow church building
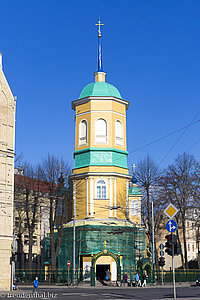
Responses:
[106,232]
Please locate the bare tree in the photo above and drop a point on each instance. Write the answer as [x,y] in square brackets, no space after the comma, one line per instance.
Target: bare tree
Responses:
[181,181]
[19,228]
[27,202]
[148,176]
[57,183]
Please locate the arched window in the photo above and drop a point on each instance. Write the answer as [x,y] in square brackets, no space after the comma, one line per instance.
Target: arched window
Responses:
[101,131]
[83,132]
[118,133]
[135,208]
[101,189]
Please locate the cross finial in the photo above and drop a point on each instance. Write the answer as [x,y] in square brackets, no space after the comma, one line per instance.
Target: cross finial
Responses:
[99,24]
[133,167]
[105,243]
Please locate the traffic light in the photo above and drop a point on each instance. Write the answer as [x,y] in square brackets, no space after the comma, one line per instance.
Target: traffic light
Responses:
[177,245]
[172,239]
[161,262]
[168,244]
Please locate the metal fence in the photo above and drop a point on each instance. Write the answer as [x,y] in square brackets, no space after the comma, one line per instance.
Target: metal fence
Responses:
[60,276]
[181,276]
[57,276]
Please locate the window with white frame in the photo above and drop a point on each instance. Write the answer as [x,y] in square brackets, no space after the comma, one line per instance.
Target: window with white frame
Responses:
[135,208]
[83,132]
[118,133]
[101,189]
[101,131]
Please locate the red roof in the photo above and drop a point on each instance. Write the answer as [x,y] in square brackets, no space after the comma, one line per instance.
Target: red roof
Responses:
[33,184]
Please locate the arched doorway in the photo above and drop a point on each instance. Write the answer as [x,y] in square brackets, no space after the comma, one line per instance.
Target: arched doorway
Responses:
[103,261]
[145,266]
[103,264]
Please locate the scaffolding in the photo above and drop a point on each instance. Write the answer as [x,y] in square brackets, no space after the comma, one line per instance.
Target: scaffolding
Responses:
[122,238]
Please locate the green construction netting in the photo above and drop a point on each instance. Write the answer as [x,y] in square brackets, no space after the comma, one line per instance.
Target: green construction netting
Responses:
[128,240]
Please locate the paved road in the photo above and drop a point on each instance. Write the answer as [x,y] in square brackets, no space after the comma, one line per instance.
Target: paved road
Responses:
[110,293]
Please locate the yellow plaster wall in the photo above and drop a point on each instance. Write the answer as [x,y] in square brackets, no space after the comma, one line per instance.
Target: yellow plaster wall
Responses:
[110,111]
[80,199]
[87,259]
[101,207]
[110,169]
[86,117]
[121,197]
[82,108]
[104,260]
[101,105]
[93,111]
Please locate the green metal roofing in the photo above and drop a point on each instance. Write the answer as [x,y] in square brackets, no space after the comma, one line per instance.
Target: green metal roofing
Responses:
[134,190]
[100,89]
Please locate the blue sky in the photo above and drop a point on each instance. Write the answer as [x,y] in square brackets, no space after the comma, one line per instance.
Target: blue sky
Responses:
[151,53]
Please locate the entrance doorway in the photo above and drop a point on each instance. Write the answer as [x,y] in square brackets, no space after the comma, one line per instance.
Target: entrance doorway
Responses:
[101,271]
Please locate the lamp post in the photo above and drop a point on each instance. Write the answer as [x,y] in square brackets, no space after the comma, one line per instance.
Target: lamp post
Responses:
[74,234]
[153,241]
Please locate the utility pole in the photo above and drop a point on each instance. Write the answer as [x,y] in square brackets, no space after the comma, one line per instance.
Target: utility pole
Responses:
[153,242]
[171,226]
[74,234]
[173,271]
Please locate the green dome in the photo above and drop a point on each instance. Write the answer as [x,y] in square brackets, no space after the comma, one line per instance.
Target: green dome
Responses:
[100,89]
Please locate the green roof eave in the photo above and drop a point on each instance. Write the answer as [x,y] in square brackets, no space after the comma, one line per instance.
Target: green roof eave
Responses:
[134,190]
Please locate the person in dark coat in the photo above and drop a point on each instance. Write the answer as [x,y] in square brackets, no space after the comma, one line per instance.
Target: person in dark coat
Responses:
[125,278]
[144,280]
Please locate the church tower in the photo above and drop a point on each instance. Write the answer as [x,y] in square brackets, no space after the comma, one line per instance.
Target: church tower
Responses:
[7,146]
[100,175]
[104,226]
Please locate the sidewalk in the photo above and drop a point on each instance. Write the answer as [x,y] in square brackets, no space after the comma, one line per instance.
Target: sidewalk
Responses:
[50,286]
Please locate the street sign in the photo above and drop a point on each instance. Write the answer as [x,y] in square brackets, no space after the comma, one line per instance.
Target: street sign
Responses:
[161,246]
[171,226]
[162,253]
[68,263]
[171,211]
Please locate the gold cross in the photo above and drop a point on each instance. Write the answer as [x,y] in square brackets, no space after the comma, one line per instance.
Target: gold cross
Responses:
[61,168]
[99,24]
[105,243]
[133,167]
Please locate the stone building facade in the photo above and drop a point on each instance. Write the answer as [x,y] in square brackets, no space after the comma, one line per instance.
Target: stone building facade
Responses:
[7,146]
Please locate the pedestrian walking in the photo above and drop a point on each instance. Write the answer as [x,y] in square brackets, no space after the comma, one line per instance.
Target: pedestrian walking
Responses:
[144,279]
[108,275]
[125,278]
[35,285]
[136,278]
[140,282]
[118,282]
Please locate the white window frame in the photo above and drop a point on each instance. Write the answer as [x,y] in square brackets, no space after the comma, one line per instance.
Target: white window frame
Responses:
[119,140]
[133,208]
[101,136]
[97,184]
[83,140]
